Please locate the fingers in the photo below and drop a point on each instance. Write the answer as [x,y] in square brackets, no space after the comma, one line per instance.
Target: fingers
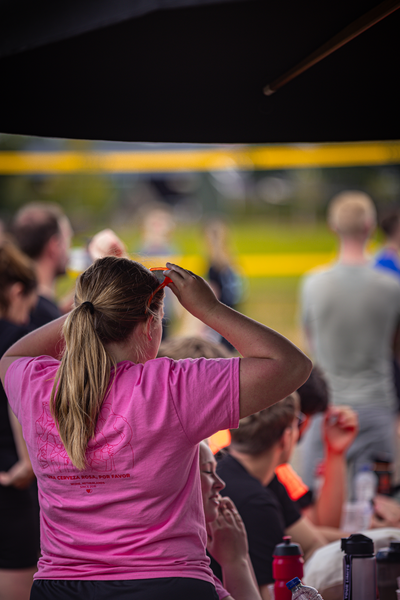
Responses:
[349,422]
[341,416]
[228,505]
[229,512]
[225,501]
[178,276]
[184,273]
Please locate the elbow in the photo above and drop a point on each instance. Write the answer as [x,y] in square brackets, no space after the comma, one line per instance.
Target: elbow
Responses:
[318,543]
[306,368]
[301,369]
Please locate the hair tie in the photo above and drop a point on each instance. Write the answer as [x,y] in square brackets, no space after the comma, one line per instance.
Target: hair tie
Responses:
[90,305]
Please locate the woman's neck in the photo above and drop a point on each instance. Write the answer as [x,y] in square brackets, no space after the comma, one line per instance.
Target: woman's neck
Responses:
[130,350]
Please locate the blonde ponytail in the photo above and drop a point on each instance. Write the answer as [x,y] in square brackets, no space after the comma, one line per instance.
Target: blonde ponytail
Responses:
[80,385]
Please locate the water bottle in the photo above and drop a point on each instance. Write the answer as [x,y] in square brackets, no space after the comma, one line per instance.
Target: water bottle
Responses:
[357,515]
[287,563]
[302,592]
[359,568]
[365,484]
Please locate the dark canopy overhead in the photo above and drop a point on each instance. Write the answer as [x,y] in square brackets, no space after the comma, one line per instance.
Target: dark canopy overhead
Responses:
[194,71]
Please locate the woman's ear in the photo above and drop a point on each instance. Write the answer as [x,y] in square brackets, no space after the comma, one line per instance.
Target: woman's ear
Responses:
[286,445]
[149,328]
[285,439]
[17,310]
[15,291]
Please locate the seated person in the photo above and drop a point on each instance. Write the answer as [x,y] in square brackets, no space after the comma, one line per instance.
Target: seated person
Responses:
[340,426]
[313,399]
[262,442]
[226,535]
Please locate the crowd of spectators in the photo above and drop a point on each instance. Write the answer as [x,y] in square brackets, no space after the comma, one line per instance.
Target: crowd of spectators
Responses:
[118,438]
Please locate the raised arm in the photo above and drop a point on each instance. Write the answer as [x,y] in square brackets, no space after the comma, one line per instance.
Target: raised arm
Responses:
[271,367]
[340,430]
[46,340]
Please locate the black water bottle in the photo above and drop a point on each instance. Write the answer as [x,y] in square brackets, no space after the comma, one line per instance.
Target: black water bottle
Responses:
[359,568]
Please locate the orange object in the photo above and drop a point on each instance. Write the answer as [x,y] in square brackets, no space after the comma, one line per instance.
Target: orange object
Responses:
[219,440]
[163,279]
[295,486]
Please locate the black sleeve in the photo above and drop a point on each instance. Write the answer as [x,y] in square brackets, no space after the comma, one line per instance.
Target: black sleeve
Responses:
[44,312]
[305,501]
[290,511]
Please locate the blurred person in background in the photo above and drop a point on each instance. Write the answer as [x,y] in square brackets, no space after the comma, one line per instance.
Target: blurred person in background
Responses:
[388,256]
[157,226]
[322,506]
[388,259]
[222,276]
[106,243]
[43,232]
[19,520]
[350,314]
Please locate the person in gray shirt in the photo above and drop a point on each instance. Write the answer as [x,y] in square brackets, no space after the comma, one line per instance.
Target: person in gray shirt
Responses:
[351,314]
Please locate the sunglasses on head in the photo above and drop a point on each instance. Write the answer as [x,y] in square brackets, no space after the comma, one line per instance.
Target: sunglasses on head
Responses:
[162,279]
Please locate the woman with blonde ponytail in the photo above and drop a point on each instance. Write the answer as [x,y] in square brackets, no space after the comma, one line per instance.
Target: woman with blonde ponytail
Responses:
[113,432]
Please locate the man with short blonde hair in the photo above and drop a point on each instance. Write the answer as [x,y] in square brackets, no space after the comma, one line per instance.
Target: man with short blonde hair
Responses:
[351,313]
[351,213]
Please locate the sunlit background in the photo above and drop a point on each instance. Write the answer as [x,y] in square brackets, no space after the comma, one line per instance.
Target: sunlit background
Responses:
[272,200]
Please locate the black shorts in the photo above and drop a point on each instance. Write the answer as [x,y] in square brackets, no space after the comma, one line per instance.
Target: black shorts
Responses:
[164,588]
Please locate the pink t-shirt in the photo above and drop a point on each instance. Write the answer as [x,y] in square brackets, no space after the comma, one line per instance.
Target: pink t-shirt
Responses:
[136,512]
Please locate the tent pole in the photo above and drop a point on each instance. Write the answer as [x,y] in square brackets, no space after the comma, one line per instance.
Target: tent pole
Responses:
[346,35]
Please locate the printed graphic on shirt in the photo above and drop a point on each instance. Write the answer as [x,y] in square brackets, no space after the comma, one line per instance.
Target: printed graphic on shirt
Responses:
[112,435]
[89,483]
